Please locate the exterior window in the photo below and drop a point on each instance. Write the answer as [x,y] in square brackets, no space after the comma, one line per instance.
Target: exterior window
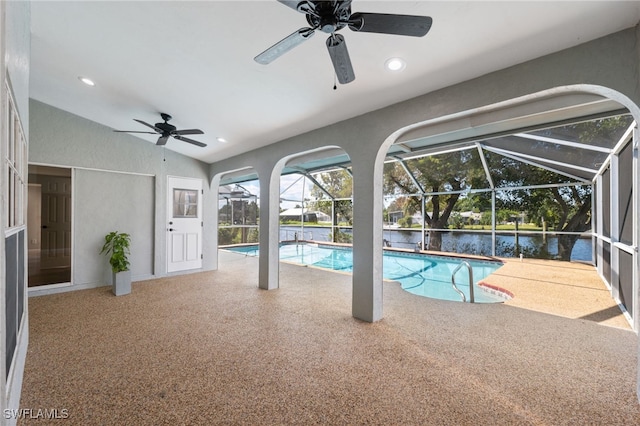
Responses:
[16,171]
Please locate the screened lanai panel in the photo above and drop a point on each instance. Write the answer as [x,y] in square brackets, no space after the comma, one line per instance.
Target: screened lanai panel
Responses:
[509,172]
[625,276]
[397,181]
[567,170]
[625,194]
[569,155]
[450,171]
[336,183]
[603,133]
[606,261]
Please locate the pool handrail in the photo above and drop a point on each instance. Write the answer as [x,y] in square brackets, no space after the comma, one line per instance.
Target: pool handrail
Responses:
[453,281]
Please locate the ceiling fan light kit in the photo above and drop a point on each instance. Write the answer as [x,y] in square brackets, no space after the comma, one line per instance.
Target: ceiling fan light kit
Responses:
[332,16]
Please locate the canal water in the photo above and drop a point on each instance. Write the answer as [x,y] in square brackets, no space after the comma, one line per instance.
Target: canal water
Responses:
[461,242]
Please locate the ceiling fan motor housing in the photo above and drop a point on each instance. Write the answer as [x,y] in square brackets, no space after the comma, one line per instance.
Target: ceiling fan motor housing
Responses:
[328,19]
[166,127]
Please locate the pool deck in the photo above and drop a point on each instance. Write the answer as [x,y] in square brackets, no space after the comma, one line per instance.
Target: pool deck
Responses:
[566,289]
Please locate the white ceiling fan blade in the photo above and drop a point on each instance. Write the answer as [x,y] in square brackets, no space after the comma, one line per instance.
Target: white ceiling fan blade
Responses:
[283,46]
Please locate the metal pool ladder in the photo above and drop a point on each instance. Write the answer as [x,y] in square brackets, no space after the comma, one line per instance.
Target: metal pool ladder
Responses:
[453,281]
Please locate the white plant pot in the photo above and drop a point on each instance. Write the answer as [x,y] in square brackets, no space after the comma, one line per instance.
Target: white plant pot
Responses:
[121,283]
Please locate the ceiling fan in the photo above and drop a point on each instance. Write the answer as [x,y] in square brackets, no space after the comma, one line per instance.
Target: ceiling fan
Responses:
[166,130]
[332,16]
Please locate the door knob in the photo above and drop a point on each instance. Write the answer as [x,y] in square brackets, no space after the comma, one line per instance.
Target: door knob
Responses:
[171,229]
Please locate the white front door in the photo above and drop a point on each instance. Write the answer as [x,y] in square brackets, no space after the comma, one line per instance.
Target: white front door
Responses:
[184,224]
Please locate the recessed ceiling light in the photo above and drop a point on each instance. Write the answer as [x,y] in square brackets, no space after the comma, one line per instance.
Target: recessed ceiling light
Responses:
[221,140]
[395,64]
[87,81]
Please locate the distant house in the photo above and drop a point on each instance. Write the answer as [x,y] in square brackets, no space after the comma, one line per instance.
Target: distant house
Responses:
[394,217]
[309,216]
[471,217]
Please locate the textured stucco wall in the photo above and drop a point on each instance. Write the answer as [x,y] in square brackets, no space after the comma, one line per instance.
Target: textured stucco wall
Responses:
[15,47]
[130,209]
[59,138]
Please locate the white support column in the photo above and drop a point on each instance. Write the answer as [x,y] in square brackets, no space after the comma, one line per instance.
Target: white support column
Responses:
[493,222]
[268,261]
[367,238]
[423,210]
[215,218]
[333,220]
[614,206]
[599,225]
[304,183]
[636,243]
[595,219]
[636,235]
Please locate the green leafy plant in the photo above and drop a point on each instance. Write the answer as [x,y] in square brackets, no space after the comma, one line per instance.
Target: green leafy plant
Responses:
[116,245]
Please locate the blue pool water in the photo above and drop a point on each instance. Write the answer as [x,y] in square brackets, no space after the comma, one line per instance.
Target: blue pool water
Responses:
[423,275]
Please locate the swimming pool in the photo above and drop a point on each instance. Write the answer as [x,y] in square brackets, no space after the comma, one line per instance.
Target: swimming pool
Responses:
[420,274]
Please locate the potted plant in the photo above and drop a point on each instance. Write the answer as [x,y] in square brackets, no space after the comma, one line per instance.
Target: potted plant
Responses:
[116,245]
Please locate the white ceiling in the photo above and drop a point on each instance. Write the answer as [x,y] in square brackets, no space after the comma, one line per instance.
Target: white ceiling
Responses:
[194,60]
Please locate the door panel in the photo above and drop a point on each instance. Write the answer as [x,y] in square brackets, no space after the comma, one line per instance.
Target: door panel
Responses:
[56,223]
[178,246]
[184,224]
[192,246]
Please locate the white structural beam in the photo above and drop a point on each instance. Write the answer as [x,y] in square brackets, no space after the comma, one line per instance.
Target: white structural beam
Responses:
[484,165]
[411,175]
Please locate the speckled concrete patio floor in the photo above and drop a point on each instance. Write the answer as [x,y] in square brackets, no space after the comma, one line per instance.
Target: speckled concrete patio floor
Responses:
[211,348]
[568,289]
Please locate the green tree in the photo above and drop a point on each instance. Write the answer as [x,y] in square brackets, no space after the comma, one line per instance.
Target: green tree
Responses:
[454,171]
[564,208]
[338,184]
[405,222]
[486,218]
[457,221]
[477,202]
